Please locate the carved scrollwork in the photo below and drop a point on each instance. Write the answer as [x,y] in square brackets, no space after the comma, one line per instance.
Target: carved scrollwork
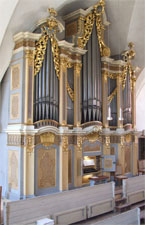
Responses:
[29,142]
[110,97]
[41,45]
[65,143]
[88,26]
[47,139]
[56,57]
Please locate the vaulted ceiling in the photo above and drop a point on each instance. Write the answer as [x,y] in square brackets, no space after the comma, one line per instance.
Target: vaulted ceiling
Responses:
[126,17]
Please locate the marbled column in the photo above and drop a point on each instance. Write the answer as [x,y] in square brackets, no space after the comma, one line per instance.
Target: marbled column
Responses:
[63,92]
[77,104]
[105,104]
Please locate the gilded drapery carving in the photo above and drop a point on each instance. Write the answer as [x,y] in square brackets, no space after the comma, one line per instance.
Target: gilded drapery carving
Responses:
[89,20]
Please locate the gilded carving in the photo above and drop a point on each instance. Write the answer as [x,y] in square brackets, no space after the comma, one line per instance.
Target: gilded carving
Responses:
[40,52]
[13,166]
[128,138]
[110,97]
[88,26]
[56,55]
[47,139]
[15,106]
[104,50]
[65,143]
[93,137]
[107,140]
[46,168]
[79,143]
[29,142]
[15,77]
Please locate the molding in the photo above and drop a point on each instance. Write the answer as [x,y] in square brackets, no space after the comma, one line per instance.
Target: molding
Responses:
[71,48]
[112,71]
[26,35]
[20,129]
[77,13]
[113,61]
[21,49]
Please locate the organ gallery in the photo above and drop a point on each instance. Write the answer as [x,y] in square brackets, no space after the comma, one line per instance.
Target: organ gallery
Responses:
[71,106]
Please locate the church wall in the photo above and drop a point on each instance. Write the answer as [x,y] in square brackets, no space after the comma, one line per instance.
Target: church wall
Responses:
[140,102]
[4,99]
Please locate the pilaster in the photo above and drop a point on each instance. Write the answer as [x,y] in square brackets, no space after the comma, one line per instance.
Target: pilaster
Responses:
[104,97]
[63,170]
[63,92]
[78,162]
[29,85]
[77,103]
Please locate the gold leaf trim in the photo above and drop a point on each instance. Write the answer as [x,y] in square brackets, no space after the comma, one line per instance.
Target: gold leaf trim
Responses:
[104,50]
[41,45]
[110,97]
[56,55]
[88,26]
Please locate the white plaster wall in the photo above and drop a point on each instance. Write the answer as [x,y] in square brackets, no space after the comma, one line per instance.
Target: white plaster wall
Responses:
[140,102]
[4,101]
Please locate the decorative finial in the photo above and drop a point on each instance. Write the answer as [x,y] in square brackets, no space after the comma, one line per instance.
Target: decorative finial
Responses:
[129,54]
[52,12]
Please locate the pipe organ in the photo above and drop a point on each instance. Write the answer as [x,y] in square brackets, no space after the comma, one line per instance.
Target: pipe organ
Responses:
[70,101]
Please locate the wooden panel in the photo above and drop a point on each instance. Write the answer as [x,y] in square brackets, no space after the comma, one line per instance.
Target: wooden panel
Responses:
[46,168]
[13,169]
[131,217]
[136,197]
[100,208]
[15,77]
[15,106]
[70,216]
[127,159]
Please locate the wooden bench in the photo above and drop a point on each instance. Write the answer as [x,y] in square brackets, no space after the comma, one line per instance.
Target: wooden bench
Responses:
[65,208]
[141,166]
[134,189]
[131,217]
